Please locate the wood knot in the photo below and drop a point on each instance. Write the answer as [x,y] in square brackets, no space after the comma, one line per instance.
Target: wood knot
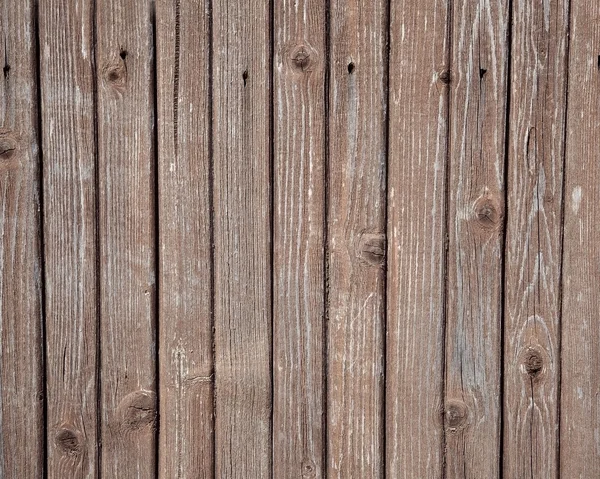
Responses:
[301,58]
[456,415]
[68,441]
[444,77]
[308,468]
[137,410]
[488,213]
[115,74]
[532,362]
[8,148]
[371,249]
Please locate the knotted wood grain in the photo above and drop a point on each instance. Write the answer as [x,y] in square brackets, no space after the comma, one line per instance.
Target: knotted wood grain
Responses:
[67,78]
[533,242]
[356,189]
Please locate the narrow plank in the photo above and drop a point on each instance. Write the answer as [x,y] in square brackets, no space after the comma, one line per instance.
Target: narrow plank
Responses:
[418,132]
[298,237]
[580,348]
[475,225]
[356,238]
[533,243]
[124,54]
[68,111]
[186,362]
[21,363]
[242,244]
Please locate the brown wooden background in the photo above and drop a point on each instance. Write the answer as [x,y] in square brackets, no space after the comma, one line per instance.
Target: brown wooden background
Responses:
[299,238]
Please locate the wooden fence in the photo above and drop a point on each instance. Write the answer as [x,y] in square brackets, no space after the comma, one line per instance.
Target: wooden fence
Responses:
[309,238]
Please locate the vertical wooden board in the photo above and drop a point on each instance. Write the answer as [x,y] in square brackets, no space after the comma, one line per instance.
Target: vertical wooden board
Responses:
[298,242]
[533,243]
[356,238]
[69,164]
[580,348]
[418,133]
[475,227]
[70,236]
[21,364]
[124,54]
[242,244]
[186,364]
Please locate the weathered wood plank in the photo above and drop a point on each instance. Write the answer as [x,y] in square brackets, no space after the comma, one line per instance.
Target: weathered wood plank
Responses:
[475,225]
[356,238]
[298,237]
[533,243]
[418,132]
[580,348]
[186,360]
[69,165]
[126,179]
[21,362]
[242,243]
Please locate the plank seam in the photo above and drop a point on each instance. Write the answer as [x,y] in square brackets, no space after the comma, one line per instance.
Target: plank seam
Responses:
[156,183]
[387,247]
[562,234]
[96,72]
[504,238]
[211,232]
[326,154]
[449,30]
[42,251]
[271,223]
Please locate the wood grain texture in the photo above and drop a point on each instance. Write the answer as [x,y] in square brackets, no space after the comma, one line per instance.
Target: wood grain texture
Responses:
[242,243]
[69,164]
[580,348]
[126,157]
[21,362]
[298,238]
[533,243]
[356,238]
[475,231]
[418,131]
[186,359]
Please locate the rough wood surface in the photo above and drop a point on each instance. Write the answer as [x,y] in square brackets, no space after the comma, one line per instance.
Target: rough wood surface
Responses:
[21,362]
[356,238]
[418,130]
[298,237]
[475,234]
[533,243]
[580,347]
[126,179]
[185,343]
[69,166]
[242,242]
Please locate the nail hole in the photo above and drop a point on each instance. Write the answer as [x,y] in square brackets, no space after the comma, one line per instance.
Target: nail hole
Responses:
[6,70]
[599,62]
[123,54]
[482,71]
[351,68]
[245,76]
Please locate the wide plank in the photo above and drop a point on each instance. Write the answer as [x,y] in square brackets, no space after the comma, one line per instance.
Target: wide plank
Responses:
[21,352]
[298,237]
[70,236]
[418,135]
[533,242]
[184,212]
[580,347]
[356,231]
[473,364]
[241,72]
[127,236]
